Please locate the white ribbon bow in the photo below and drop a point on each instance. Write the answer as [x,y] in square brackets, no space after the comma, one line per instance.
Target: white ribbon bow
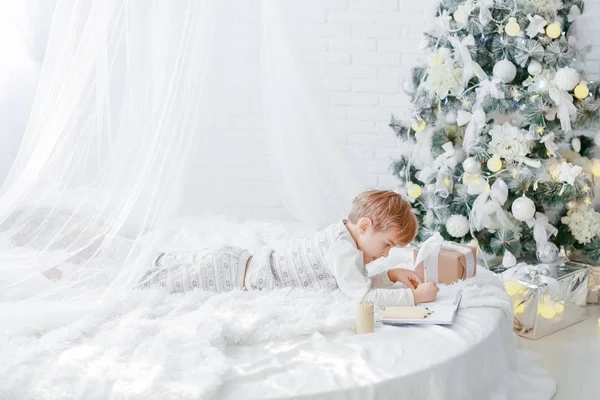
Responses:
[470,67]
[542,229]
[548,141]
[496,196]
[528,161]
[485,15]
[476,122]
[536,25]
[445,161]
[569,173]
[489,87]
[566,109]
[429,251]
[574,13]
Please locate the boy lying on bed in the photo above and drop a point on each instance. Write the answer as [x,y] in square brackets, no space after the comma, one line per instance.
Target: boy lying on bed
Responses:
[330,259]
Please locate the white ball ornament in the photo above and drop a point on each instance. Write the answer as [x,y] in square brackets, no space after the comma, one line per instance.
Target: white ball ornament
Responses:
[471,165]
[523,208]
[566,78]
[457,225]
[534,67]
[506,71]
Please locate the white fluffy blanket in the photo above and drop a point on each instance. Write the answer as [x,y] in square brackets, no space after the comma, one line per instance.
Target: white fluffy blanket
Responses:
[151,342]
[159,346]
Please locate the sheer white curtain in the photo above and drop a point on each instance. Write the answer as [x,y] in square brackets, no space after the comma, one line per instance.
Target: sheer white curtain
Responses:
[143,114]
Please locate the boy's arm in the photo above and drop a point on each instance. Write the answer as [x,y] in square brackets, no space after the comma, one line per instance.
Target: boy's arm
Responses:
[346,264]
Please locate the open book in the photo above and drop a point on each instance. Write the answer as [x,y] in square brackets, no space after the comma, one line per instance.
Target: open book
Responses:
[435,313]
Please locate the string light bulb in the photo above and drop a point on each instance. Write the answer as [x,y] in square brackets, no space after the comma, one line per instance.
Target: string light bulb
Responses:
[553,30]
[596,168]
[512,28]
[494,164]
[414,190]
[581,91]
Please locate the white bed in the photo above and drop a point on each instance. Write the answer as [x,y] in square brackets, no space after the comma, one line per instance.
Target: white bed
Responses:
[281,344]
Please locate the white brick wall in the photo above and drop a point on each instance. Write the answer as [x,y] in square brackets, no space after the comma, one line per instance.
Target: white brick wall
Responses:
[374,44]
[370,47]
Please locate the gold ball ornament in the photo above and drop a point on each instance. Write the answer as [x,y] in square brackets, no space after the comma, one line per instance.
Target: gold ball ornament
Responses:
[494,164]
[553,30]
[512,28]
[418,126]
[581,91]
[414,190]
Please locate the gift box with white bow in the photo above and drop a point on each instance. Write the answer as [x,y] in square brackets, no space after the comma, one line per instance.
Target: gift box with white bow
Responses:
[446,262]
[546,297]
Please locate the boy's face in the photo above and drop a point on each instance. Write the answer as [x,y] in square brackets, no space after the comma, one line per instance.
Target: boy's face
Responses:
[374,244]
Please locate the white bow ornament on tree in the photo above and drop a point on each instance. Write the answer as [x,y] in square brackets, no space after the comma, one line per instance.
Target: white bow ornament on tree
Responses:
[536,25]
[470,67]
[551,146]
[485,14]
[569,173]
[476,122]
[574,13]
[566,109]
[445,161]
[489,87]
[492,200]
[542,229]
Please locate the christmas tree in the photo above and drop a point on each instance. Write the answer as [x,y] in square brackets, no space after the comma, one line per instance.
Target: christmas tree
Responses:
[502,145]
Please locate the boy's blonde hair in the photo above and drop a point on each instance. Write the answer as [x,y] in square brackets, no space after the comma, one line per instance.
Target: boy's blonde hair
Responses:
[388,210]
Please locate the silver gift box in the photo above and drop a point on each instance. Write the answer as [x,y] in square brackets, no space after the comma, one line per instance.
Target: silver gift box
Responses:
[549,297]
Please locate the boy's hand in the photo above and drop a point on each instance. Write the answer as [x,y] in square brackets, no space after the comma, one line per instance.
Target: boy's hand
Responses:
[405,276]
[425,292]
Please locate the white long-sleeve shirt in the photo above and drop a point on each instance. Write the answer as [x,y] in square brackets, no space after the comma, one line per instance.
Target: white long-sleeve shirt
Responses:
[347,266]
[328,260]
